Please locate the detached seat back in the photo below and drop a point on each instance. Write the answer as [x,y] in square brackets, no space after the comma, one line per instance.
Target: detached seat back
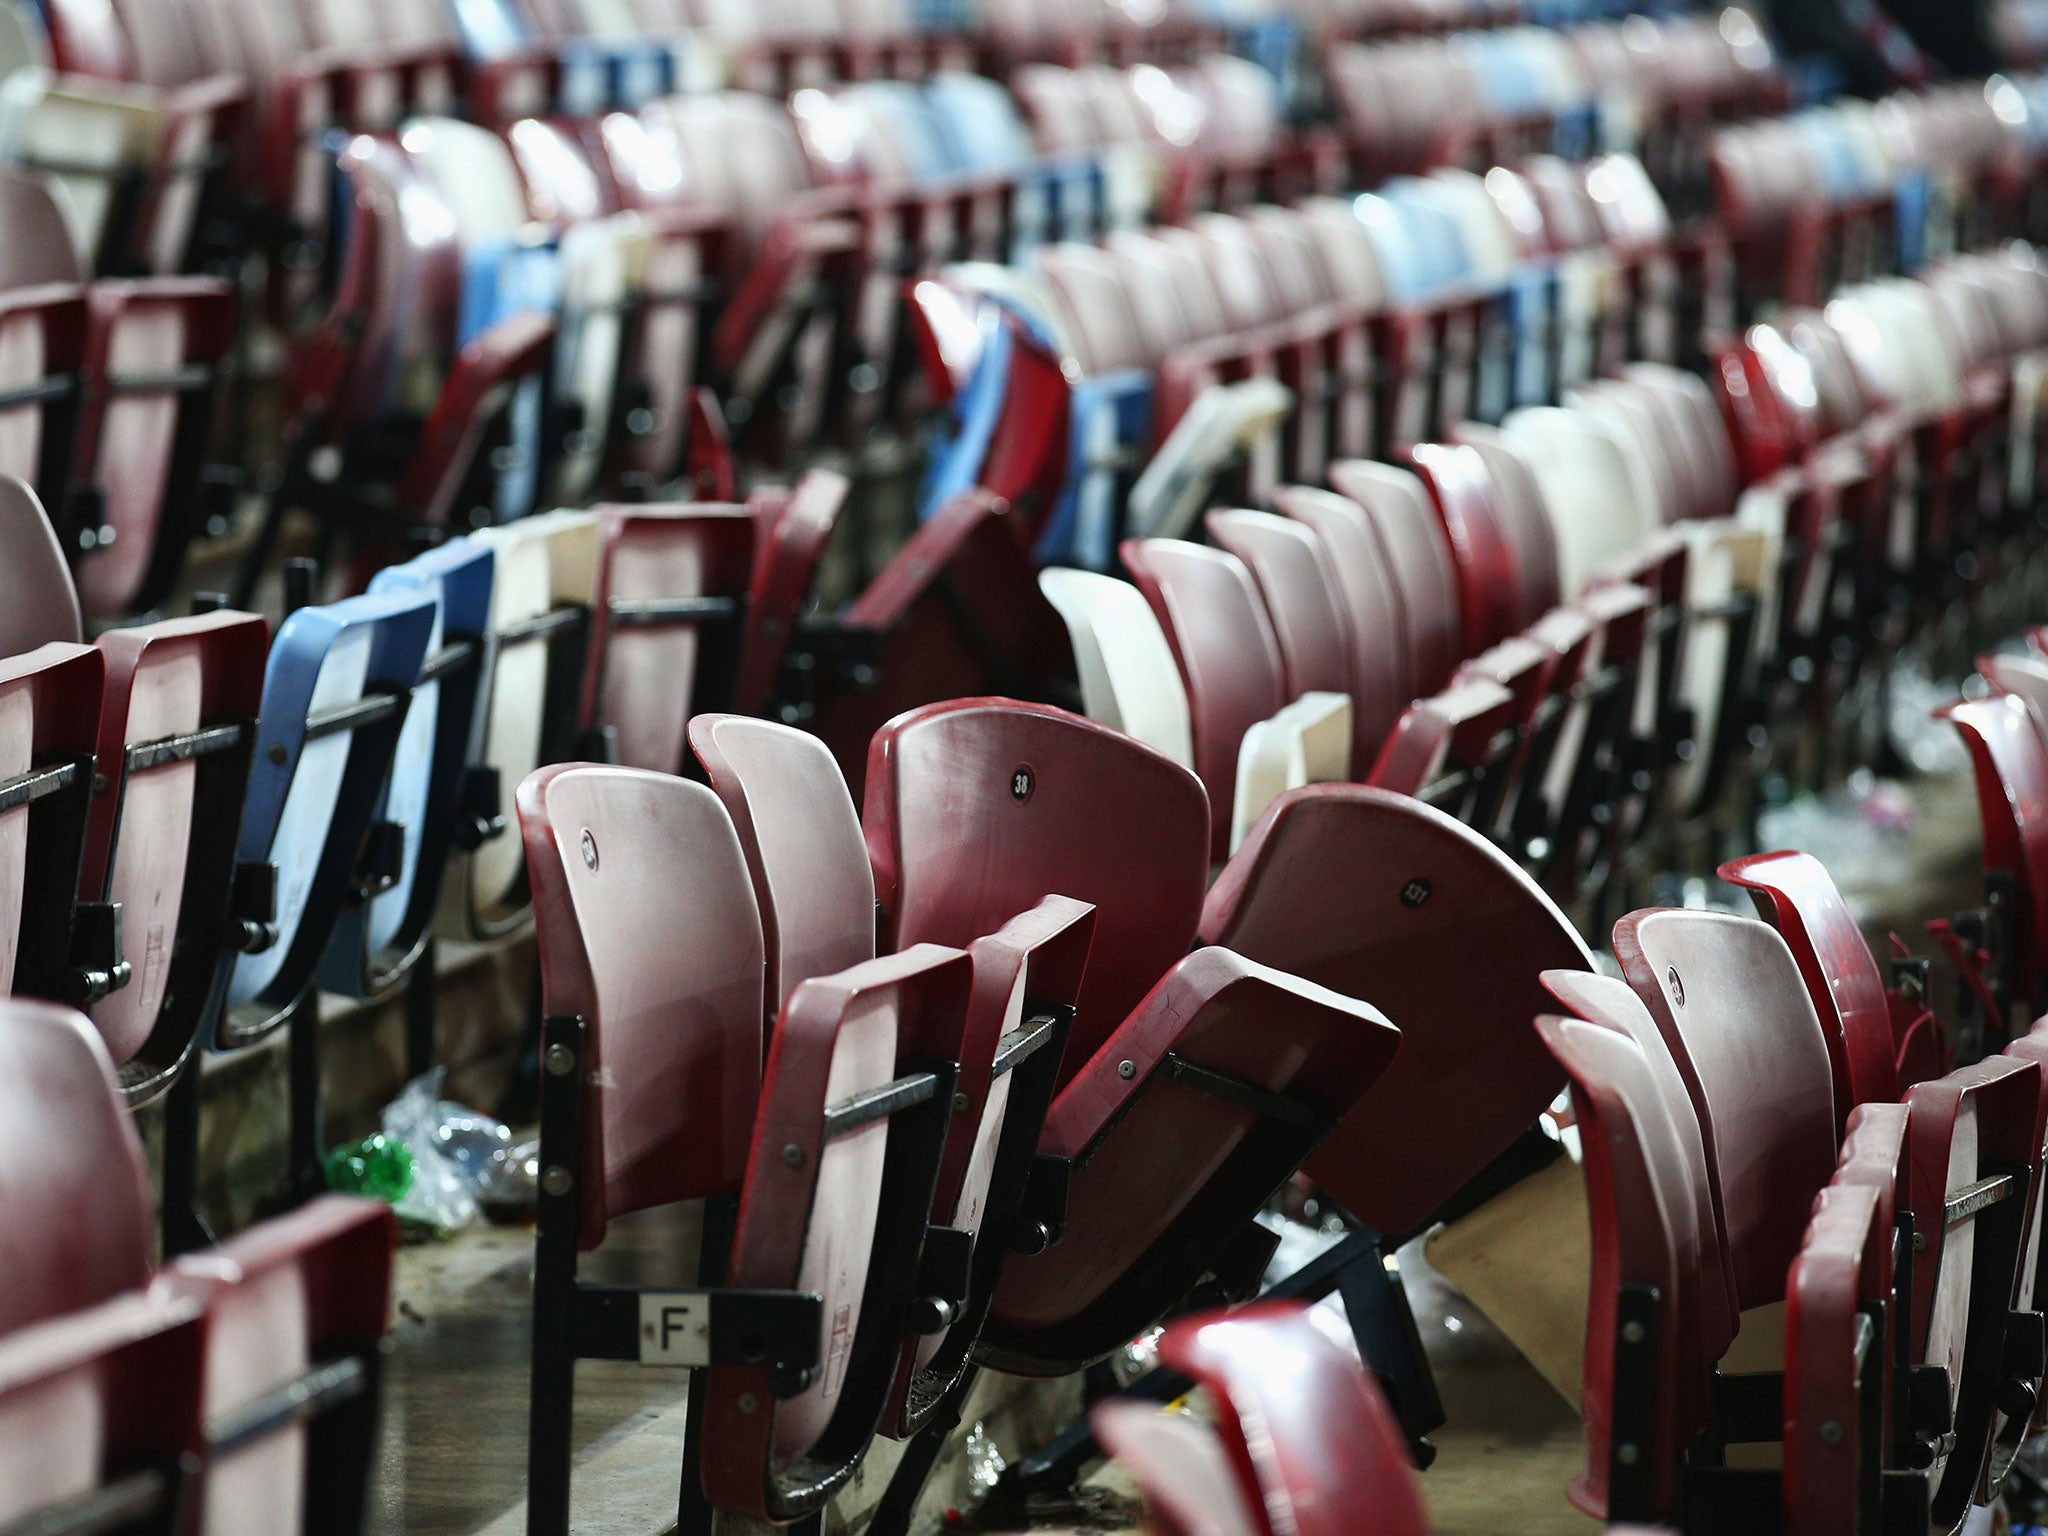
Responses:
[984,807]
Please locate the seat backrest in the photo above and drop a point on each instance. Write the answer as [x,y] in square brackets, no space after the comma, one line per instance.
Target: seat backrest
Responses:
[1223,642]
[801,835]
[158,828]
[843,1218]
[652,659]
[648,931]
[39,247]
[1594,502]
[1518,504]
[94,1395]
[2011,763]
[1397,505]
[1635,1177]
[1713,1310]
[1371,604]
[1191,1485]
[291,1295]
[1294,578]
[1842,1276]
[1734,1009]
[71,1172]
[312,795]
[1129,680]
[1322,1449]
[1795,894]
[50,700]
[38,603]
[1489,584]
[1373,894]
[786,556]
[979,808]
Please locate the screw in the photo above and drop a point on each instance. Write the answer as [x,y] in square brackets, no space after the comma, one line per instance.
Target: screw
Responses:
[1831,1433]
[1127,1070]
[277,753]
[561,1061]
[1677,986]
[1627,1454]
[1632,1333]
[960,1103]
[793,1155]
[748,1402]
[589,850]
[557,1181]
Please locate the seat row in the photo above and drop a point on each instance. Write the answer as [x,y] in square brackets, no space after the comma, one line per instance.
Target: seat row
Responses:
[1744,1077]
[360,753]
[231,1387]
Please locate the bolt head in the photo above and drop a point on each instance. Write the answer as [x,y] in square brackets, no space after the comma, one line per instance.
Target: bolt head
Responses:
[748,1402]
[1627,1454]
[557,1181]
[793,1155]
[960,1103]
[1831,1433]
[1127,1070]
[560,1061]
[1633,1333]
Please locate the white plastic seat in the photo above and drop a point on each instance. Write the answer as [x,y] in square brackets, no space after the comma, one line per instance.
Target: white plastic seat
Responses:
[1308,742]
[1228,419]
[1128,678]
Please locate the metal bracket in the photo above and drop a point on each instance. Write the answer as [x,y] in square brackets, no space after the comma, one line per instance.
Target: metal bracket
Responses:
[96,965]
[480,807]
[945,1268]
[1042,1213]
[252,906]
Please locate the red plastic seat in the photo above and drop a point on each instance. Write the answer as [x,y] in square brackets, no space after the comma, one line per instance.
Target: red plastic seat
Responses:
[1412,540]
[955,613]
[1229,657]
[2011,763]
[49,708]
[652,978]
[1308,1446]
[1489,580]
[1735,1013]
[1374,894]
[297,1306]
[1058,804]
[1370,603]
[100,1402]
[71,1166]
[666,623]
[786,556]
[176,732]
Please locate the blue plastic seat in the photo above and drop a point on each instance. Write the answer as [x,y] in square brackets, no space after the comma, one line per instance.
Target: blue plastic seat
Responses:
[430,796]
[334,697]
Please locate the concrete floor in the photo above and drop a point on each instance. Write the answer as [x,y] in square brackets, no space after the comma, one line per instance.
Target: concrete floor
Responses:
[455,1422]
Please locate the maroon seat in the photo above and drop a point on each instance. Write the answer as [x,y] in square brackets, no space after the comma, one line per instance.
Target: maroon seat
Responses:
[786,556]
[175,735]
[665,625]
[38,603]
[801,836]
[1412,541]
[71,1168]
[1371,605]
[296,1313]
[1873,1058]
[956,613]
[1305,1443]
[100,1403]
[983,806]
[1376,895]
[1518,503]
[1299,589]
[1489,580]
[1229,658]
[1453,748]
[2011,763]
[652,974]
[49,721]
